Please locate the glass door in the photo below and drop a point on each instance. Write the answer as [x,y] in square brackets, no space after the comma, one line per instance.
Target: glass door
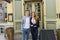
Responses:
[35,7]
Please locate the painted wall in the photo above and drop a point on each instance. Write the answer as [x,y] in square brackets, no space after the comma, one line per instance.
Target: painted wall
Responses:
[50,14]
[58,11]
[9,10]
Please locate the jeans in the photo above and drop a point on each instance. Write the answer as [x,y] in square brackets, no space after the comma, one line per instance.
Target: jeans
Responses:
[25,34]
[34,33]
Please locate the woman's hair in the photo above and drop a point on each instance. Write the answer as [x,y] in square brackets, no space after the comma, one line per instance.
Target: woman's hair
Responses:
[26,11]
[36,16]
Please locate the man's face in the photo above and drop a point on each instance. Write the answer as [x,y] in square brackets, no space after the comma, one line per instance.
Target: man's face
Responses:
[27,13]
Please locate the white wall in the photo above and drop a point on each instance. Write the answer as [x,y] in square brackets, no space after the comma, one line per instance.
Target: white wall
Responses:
[50,14]
[58,11]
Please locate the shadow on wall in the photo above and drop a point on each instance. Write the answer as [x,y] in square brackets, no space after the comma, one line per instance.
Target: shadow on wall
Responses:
[9,1]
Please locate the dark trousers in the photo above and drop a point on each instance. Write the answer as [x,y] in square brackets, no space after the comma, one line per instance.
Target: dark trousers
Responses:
[34,33]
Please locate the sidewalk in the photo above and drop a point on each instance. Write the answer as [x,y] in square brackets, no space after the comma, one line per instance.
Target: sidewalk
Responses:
[18,36]
[2,36]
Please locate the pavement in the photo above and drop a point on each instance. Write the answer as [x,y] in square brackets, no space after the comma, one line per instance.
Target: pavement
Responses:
[17,36]
[2,37]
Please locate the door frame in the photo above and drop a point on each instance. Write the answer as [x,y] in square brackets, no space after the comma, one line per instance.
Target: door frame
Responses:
[42,13]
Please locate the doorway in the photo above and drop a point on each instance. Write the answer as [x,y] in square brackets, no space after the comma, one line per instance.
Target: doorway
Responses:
[35,7]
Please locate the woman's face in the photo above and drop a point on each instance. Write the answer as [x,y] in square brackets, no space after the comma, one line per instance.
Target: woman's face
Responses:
[27,13]
[33,14]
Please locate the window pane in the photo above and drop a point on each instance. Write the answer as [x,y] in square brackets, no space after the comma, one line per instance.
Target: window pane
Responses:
[28,6]
[37,9]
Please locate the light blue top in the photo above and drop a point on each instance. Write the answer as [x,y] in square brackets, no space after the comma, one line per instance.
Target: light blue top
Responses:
[23,22]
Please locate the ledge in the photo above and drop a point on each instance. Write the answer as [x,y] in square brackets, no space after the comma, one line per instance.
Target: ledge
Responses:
[54,20]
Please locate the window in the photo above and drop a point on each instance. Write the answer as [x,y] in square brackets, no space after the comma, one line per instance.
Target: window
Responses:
[10,17]
[37,9]
[28,6]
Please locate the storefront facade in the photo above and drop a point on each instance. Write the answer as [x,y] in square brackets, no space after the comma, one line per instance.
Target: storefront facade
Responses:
[46,10]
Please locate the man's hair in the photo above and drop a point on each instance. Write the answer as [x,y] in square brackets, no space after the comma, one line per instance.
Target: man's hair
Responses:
[26,11]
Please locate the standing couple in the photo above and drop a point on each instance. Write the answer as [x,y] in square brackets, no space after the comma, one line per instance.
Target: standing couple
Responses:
[30,24]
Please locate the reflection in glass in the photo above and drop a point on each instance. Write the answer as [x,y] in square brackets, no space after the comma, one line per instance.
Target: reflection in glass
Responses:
[28,6]
[37,9]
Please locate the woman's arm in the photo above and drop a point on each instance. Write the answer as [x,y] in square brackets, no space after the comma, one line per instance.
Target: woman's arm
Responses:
[38,23]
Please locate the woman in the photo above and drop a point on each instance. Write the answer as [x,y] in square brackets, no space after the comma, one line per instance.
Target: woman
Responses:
[25,25]
[34,23]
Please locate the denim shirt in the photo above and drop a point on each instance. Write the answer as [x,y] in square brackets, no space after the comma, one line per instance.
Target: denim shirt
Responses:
[23,22]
